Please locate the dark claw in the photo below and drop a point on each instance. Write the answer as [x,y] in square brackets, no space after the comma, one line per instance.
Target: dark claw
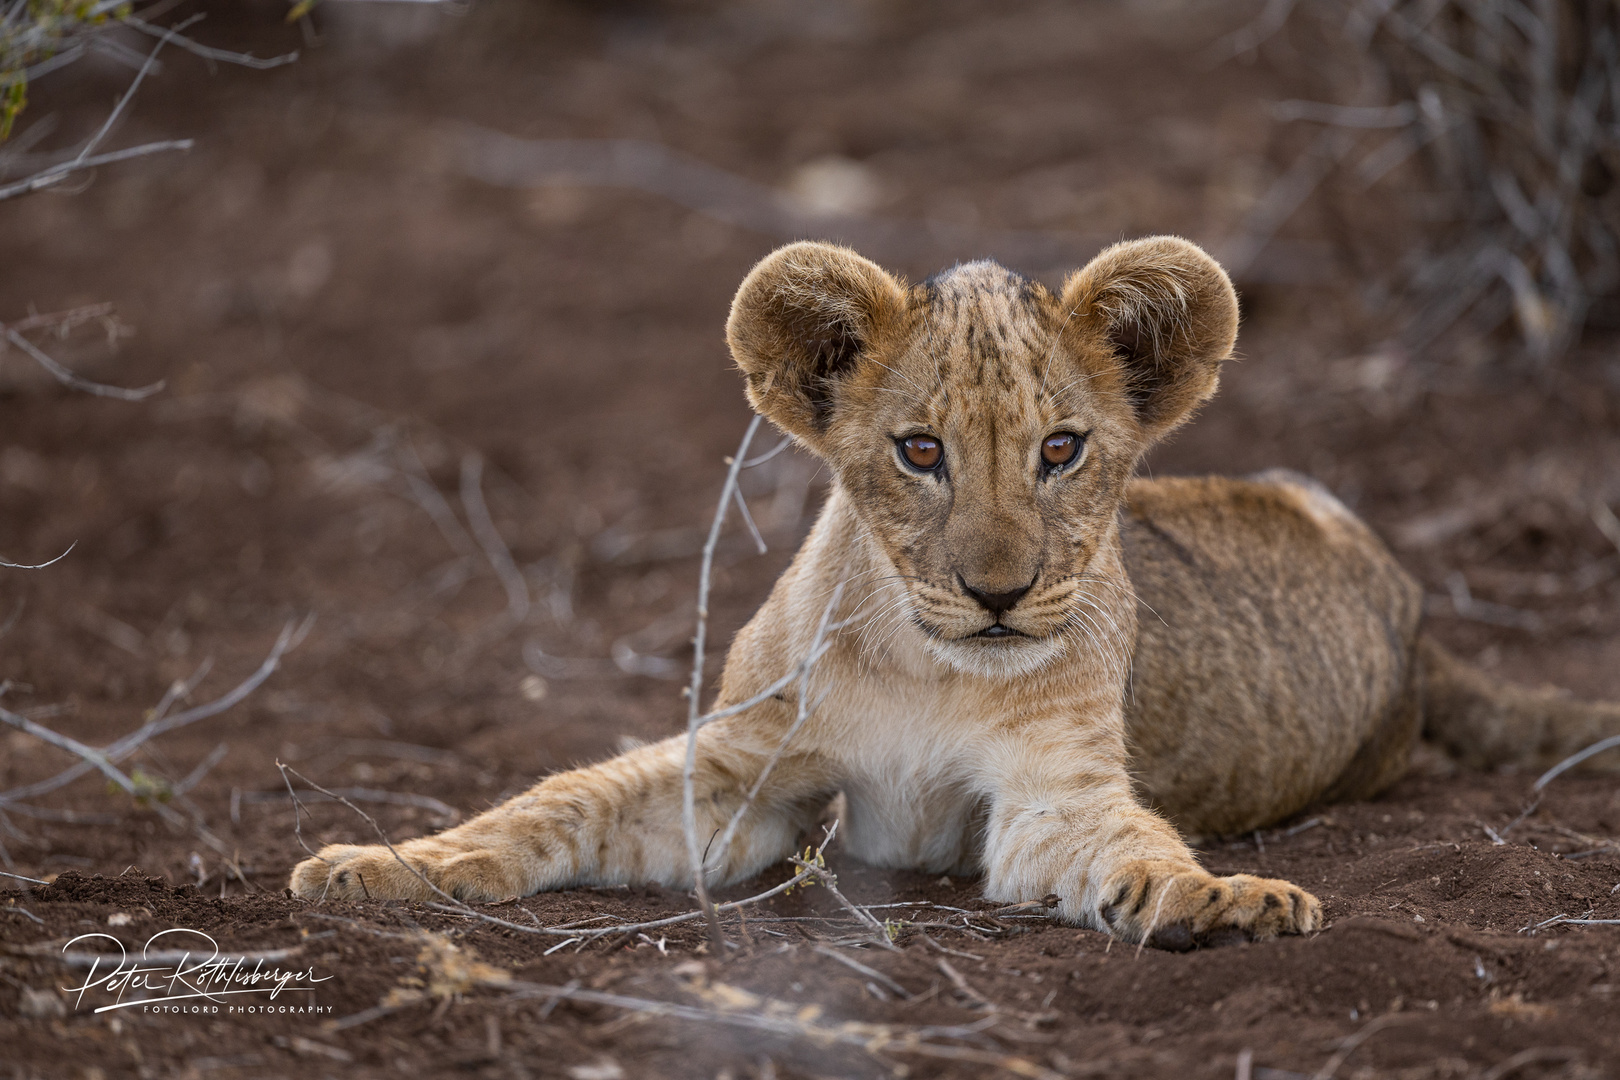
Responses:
[1174,938]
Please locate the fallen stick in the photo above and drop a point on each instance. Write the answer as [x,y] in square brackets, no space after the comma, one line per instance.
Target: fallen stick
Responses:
[828,880]
[489,538]
[856,966]
[291,636]
[785,1020]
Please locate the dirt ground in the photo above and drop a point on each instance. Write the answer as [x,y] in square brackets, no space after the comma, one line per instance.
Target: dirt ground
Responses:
[342,312]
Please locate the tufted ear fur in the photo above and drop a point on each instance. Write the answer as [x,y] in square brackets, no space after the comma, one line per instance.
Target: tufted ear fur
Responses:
[1168,313]
[799,324]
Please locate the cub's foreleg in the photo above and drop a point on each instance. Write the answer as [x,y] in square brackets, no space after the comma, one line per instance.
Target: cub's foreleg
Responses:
[615,823]
[1063,820]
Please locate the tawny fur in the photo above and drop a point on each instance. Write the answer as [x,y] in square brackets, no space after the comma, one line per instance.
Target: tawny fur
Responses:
[1207,654]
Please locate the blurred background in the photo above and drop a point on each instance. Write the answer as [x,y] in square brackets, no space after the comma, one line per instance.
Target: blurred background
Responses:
[512,229]
[437,308]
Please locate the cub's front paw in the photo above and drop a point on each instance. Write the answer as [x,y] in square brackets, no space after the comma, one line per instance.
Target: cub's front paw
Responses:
[1176,906]
[354,872]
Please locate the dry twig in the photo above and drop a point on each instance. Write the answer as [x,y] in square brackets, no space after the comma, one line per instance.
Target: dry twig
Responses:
[1573,760]
[1348,1047]
[86,157]
[66,377]
[1516,108]
[694,690]
[489,538]
[36,566]
[791,1021]
[817,869]
[160,723]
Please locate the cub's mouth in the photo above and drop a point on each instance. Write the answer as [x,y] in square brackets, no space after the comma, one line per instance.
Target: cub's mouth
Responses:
[999,630]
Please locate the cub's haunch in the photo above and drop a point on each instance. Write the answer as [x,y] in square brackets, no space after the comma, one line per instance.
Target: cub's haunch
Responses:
[1004,581]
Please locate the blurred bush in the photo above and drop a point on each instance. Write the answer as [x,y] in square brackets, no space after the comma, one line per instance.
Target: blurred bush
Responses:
[39,36]
[1501,119]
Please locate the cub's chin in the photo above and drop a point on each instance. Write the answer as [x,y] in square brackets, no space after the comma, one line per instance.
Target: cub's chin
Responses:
[996,654]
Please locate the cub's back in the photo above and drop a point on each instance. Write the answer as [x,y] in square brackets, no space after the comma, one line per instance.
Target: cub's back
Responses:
[1274,653]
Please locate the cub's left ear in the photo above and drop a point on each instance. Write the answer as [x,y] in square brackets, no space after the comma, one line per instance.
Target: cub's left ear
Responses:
[1168,313]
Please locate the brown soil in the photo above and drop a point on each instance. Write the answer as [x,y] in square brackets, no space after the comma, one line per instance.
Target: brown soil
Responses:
[321,286]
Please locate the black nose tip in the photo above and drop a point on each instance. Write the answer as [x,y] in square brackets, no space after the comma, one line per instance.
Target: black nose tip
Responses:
[995,602]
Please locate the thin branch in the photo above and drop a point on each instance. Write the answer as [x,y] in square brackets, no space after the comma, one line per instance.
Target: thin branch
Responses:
[372,795]
[427,496]
[38,566]
[247,60]
[98,759]
[856,966]
[818,648]
[694,853]
[1285,196]
[966,988]
[291,635]
[68,378]
[195,776]
[780,1018]
[1607,523]
[87,159]
[787,441]
[181,690]
[1499,838]
[95,758]
[794,882]
[828,880]
[123,102]
[1575,759]
[489,538]
[1373,1027]
[1253,35]
[63,321]
[14,618]
[748,519]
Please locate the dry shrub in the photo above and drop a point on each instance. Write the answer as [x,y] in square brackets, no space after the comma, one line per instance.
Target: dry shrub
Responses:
[1499,120]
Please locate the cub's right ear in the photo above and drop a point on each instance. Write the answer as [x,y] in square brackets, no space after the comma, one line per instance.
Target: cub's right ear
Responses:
[798,326]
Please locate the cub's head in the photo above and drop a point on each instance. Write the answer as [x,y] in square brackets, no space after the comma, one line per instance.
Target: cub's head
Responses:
[983,426]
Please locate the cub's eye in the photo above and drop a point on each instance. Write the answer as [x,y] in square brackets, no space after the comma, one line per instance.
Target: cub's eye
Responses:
[1060,449]
[922,452]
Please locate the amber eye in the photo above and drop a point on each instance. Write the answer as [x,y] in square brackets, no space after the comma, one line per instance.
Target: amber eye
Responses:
[1060,449]
[922,451]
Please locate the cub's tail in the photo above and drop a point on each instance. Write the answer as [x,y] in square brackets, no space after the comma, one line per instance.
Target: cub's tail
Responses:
[1486,723]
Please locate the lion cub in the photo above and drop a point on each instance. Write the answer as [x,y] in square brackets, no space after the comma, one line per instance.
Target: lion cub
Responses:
[990,703]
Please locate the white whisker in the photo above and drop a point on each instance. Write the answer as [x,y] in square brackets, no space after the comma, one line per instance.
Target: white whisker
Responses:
[1055,340]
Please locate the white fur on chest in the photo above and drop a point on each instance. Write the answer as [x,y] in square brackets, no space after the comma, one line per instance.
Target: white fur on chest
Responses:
[905,753]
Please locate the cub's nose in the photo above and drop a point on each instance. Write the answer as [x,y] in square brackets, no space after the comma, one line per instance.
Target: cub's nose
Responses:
[995,602]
